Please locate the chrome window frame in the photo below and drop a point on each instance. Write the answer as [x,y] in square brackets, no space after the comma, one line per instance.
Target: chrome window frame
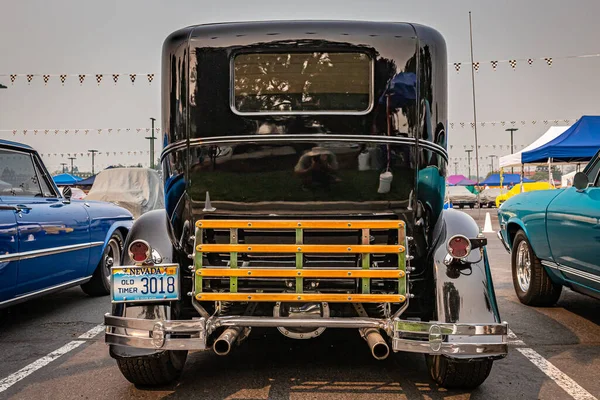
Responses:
[232,105]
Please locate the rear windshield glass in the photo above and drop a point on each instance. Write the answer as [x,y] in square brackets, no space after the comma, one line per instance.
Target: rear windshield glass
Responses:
[302,82]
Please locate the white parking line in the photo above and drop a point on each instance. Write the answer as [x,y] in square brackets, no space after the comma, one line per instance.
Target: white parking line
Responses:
[42,362]
[562,380]
[567,384]
[514,340]
[34,366]
[92,332]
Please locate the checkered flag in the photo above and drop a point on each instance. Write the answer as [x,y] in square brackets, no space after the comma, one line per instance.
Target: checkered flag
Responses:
[483,124]
[46,79]
[457,66]
[503,123]
[462,124]
[86,131]
[530,61]
[81,79]
[138,130]
[63,78]
[99,78]
[513,123]
[115,78]
[513,63]
[545,122]
[472,125]
[555,122]
[150,78]
[13,77]
[99,131]
[452,125]
[132,77]
[14,132]
[29,78]
[533,122]
[66,131]
[523,123]
[35,131]
[567,121]
[46,131]
[493,124]
[494,64]
[548,61]
[476,66]
[56,131]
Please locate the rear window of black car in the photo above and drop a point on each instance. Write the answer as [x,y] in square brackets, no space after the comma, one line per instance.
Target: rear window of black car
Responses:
[302,82]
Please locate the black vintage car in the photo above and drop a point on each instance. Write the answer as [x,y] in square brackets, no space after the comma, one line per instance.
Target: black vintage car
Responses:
[304,173]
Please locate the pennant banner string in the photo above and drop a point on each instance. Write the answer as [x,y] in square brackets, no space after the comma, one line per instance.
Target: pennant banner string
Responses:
[476,65]
[451,125]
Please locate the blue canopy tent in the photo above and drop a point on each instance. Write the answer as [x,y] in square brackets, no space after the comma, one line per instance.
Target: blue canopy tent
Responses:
[66,179]
[87,182]
[578,143]
[507,179]
[466,182]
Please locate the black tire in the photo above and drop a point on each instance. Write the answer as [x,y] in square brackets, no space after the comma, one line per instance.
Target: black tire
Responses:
[155,370]
[99,285]
[540,291]
[471,206]
[452,374]
[461,206]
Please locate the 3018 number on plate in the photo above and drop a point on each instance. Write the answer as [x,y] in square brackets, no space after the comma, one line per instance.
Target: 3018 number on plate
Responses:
[145,283]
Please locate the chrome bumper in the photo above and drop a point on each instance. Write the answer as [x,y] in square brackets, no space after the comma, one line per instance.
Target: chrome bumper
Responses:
[455,340]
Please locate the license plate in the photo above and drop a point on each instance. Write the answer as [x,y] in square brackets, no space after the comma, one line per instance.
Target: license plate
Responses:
[145,283]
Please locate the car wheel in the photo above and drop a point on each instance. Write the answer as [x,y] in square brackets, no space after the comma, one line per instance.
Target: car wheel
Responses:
[99,285]
[532,284]
[154,370]
[451,374]
[471,206]
[461,206]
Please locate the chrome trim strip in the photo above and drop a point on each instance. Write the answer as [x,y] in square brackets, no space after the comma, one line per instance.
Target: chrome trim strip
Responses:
[196,142]
[572,271]
[47,252]
[499,234]
[46,290]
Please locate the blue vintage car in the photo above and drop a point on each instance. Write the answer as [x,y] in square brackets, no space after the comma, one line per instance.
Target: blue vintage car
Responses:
[47,241]
[554,239]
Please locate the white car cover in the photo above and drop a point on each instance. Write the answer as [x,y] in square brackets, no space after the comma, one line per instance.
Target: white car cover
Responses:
[139,190]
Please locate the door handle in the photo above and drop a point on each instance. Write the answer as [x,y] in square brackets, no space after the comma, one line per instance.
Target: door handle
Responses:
[15,208]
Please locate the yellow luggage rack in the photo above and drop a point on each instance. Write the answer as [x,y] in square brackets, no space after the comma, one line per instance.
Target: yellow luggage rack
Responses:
[234,272]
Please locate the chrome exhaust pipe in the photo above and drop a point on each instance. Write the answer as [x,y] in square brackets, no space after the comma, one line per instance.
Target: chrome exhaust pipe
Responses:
[379,348]
[223,344]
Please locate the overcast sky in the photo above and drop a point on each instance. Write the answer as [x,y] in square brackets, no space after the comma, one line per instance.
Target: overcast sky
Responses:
[125,36]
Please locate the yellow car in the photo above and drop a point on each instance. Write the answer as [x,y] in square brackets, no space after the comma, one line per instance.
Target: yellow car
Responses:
[528,187]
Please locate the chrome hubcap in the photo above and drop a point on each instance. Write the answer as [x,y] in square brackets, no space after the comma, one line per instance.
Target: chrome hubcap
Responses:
[112,256]
[523,266]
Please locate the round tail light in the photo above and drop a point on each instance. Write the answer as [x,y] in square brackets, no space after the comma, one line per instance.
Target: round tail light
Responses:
[459,246]
[139,251]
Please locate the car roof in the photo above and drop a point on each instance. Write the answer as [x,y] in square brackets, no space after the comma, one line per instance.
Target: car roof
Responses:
[17,145]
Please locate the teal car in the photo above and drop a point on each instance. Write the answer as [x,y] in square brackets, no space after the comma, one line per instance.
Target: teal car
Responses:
[554,239]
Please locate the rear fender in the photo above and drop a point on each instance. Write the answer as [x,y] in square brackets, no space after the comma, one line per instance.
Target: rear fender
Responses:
[95,255]
[464,291]
[151,227]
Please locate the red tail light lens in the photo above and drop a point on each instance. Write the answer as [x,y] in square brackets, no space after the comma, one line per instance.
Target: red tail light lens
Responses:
[139,251]
[459,246]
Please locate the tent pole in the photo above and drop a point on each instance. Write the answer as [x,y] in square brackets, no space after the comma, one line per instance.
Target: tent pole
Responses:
[522,174]
[550,180]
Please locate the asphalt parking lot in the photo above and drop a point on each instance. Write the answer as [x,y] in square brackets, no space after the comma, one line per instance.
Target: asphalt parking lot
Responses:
[53,349]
